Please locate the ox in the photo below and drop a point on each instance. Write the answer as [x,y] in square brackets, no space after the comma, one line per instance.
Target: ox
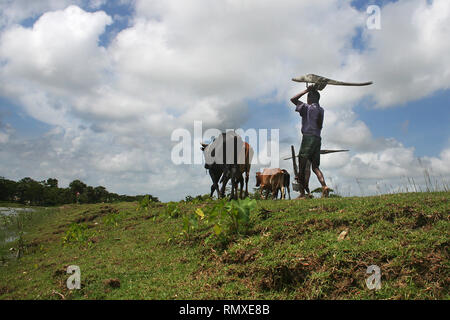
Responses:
[272,180]
[232,165]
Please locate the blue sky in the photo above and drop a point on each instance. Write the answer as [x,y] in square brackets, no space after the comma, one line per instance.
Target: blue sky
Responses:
[221,66]
[427,118]
[422,124]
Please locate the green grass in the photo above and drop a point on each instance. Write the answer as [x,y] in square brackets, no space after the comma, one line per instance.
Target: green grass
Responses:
[290,251]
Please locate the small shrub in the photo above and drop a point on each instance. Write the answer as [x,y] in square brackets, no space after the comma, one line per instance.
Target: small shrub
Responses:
[239,214]
[76,233]
[111,220]
[190,223]
[172,210]
[145,203]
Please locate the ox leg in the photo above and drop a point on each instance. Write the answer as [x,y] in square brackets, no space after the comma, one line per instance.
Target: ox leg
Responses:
[225,180]
[241,182]
[246,183]
[218,191]
[217,185]
[215,177]
[232,189]
[213,188]
[235,188]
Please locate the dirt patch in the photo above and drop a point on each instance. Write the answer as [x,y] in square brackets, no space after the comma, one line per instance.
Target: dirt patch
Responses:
[5,290]
[239,256]
[59,272]
[112,283]
[285,276]
[422,220]
[94,239]
[87,219]
[104,210]
[107,210]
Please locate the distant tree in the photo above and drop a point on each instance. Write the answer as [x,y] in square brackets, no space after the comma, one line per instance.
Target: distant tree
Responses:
[77,186]
[30,191]
[51,196]
[47,192]
[8,189]
[100,194]
[66,196]
[52,183]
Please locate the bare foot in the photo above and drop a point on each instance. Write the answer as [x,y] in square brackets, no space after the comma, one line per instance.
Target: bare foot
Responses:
[325,192]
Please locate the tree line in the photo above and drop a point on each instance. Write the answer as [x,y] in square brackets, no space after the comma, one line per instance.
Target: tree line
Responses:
[47,193]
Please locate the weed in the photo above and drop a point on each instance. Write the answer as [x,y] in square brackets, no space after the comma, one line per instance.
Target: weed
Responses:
[77,233]
[172,210]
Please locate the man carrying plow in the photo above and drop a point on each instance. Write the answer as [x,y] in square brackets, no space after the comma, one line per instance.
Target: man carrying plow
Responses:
[312,121]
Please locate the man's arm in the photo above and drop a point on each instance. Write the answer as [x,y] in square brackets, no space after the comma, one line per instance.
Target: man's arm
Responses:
[295,98]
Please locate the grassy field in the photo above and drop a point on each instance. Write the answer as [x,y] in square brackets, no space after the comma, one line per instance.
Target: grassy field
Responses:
[287,250]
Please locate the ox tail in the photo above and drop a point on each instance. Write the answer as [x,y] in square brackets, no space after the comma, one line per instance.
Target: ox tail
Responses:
[287,178]
[287,183]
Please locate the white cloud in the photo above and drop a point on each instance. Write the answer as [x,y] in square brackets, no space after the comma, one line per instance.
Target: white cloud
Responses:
[60,52]
[408,57]
[15,11]
[202,60]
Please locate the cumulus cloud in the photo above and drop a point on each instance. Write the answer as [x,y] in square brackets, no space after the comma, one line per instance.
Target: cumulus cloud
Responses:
[15,11]
[60,52]
[179,62]
[408,58]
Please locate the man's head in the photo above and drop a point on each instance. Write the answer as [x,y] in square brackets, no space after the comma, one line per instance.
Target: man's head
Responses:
[313,96]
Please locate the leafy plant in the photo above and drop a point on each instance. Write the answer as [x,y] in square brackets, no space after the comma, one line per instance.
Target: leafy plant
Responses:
[145,203]
[239,213]
[111,219]
[231,217]
[76,233]
[190,223]
[172,210]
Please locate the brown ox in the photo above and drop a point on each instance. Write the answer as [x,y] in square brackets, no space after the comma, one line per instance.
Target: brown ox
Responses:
[271,180]
[230,157]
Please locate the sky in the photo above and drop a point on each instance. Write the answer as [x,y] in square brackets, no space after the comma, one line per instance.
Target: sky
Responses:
[93,89]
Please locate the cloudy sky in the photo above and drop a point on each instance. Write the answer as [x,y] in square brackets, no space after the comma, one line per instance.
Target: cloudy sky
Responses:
[93,89]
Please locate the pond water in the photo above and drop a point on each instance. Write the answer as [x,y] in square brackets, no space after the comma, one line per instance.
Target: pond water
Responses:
[7,236]
[7,211]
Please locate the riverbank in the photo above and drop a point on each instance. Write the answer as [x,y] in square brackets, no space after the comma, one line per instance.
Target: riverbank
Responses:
[310,249]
